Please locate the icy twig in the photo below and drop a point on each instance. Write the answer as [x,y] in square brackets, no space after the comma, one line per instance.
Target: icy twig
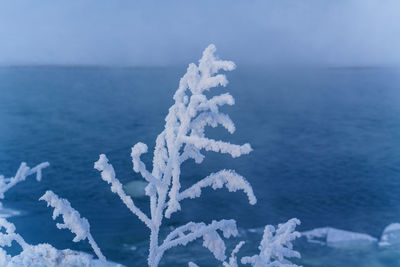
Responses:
[218,146]
[138,165]
[9,236]
[275,246]
[211,239]
[108,175]
[22,172]
[233,260]
[72,221]
[228,178]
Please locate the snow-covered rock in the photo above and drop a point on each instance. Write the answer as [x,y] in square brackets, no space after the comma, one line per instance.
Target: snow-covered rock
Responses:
[337,238]
[390,235]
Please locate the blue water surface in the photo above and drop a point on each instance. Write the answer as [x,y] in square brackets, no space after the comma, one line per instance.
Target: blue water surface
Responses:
[326,150]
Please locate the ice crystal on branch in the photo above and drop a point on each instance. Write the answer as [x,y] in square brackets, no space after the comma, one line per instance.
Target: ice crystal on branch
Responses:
[275,246]
[40,255]
[233,259]
[7,237]
[72,221]
[22,172]
[45,255]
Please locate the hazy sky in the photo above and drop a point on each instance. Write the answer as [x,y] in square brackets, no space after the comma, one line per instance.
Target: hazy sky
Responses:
[126,32]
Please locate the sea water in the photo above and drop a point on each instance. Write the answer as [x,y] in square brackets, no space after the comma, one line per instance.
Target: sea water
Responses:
[326,150]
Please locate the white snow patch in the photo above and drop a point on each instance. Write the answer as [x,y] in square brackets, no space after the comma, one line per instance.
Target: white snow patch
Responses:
[337,238]
[390,235]
[44,255]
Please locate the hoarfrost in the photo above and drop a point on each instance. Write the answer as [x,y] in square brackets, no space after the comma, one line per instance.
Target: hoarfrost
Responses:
[41,255]
[233,259]
[22,172]
[72,221]
[44,255]
[275,246]
[183,138]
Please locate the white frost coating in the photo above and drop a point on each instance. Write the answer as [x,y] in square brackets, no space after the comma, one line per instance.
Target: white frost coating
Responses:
[72,221]
[211,239]
[275,246]
[233,260]
[9,236]
[192,264]
[22,172]
[336,237]
[41,255]
[228,178]
[184,138]
[108,175]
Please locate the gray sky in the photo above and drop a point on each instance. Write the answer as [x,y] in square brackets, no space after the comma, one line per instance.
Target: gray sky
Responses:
[170,32]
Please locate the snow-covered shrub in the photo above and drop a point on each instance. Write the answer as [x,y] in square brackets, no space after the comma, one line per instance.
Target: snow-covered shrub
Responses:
[183,138]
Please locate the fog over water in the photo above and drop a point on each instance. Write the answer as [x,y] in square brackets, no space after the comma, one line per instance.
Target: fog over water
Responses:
[137,33]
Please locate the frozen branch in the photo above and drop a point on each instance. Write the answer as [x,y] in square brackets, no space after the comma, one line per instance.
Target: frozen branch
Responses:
[72,221]
[233,260]
[217,146]
[9,236]
[212,119]
[138,165]
[108,175]
[275,246]
[211,239]
[228,178]
[23,172]
[213,103]
[191,152]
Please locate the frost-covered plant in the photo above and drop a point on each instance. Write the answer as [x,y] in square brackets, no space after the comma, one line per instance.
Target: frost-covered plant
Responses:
[183,138]
[22,172]
[233,260]
[72,221]
[37,255]
[42,255]
[275,246]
